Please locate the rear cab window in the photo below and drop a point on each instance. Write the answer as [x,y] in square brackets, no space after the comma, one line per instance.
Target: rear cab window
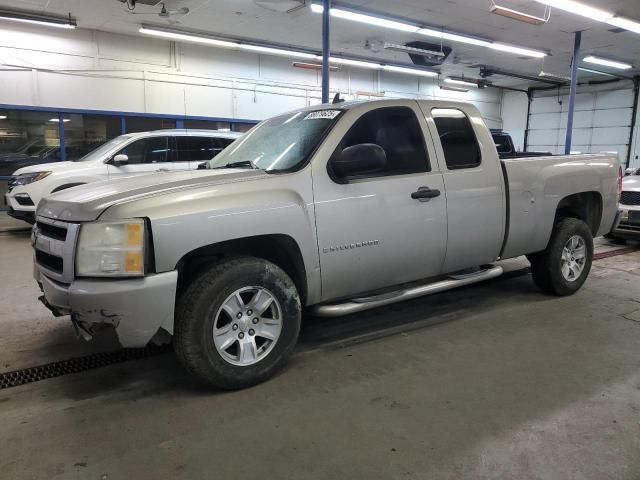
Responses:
[459,143]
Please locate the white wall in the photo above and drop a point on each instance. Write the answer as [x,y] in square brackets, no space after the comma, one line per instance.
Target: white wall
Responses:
[95,70]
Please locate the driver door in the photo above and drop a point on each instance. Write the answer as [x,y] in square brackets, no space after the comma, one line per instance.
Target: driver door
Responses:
[371,232]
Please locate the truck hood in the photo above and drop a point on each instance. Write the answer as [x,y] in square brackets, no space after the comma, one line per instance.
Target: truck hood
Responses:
[631,183]
[56,167]
[86,202]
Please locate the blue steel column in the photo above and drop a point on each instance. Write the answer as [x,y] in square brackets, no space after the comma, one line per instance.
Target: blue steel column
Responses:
[572,92]
[63,147]
[326,49]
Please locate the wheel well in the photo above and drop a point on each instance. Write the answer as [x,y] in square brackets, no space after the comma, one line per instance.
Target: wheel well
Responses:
[586,206]
[279,249]
[65,186]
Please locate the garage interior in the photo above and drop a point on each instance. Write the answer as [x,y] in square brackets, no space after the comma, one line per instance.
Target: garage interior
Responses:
[494,380]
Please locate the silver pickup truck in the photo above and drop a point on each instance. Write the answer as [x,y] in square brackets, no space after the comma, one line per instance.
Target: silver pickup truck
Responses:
[333,208]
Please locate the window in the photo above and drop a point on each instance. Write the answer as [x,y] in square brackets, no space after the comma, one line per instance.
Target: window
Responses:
[459,143]
[200,149]
[207,125]
[502,143]
[243,127]
[397,131]
[146,124]
[84,133]
[28,138]
[281,143]
[147,150]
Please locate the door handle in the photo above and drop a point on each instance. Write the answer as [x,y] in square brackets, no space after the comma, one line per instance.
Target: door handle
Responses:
[162,170]
[425,193]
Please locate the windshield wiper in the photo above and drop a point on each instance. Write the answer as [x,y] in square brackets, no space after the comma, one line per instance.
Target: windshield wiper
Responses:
[244,163]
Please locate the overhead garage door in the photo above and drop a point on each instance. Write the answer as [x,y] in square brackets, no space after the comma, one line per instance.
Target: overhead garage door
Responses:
[601,123]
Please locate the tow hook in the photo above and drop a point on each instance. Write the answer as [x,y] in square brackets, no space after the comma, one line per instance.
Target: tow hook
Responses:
[81,330]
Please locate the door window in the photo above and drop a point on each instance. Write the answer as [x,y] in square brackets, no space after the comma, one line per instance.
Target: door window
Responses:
[459,143]
[147,150]
[200,149]
[398,132]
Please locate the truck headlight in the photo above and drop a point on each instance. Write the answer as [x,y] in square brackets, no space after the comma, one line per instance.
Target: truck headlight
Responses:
[111,249]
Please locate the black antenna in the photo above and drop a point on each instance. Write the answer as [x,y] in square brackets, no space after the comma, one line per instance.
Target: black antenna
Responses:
[337,99]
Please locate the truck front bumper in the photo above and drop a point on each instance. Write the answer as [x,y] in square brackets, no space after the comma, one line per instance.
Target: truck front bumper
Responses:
[136,308]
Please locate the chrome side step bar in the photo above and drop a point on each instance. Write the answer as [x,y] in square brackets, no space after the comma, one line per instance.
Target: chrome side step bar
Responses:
[365,303]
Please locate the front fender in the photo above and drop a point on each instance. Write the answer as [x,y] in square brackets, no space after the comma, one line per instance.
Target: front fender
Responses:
[183,221]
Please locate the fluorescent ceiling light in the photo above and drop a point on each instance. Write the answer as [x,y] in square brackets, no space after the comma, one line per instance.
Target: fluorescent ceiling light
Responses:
[517,50]
[467,83]
[277,51]
[595,71]
[430,32]
[453,89]
[593,13]
[553,76]
[517,15]
[314,66]
[3,117]
[409,71]
[579,8]
[355,63]
[464,39]
[607,63]
[368,19]
[57,120]
[187,37]
[47,21]
[625,23]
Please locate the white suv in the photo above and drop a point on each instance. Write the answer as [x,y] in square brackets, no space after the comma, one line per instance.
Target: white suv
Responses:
[133,153]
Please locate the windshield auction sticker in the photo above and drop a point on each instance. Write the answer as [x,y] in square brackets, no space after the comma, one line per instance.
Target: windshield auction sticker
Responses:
[327,114]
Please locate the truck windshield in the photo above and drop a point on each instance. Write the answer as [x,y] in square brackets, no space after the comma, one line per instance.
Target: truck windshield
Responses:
[104,148]
[282,143]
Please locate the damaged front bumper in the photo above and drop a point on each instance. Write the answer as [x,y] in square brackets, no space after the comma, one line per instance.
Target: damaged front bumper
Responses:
[136,308]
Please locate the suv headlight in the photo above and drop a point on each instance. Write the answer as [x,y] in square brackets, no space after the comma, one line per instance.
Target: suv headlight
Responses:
[27,178]
[111,249]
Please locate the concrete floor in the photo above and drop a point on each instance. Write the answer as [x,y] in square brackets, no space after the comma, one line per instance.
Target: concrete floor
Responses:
[491,381]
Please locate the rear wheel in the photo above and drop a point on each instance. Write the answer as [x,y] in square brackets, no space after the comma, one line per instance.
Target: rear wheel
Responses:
[562,268]
[237,323]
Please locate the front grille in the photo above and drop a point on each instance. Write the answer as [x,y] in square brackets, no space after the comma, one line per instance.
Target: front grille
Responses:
[53,263]
[54,244]
[630,198]
[632,227]
[52,231]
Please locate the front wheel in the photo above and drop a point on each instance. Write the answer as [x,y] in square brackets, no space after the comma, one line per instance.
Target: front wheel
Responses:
[562,268]
[237,323]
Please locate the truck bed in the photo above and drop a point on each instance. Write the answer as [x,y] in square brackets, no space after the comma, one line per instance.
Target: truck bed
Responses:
[536,185]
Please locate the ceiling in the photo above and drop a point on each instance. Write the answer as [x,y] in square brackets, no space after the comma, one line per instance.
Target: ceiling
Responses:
[243,18]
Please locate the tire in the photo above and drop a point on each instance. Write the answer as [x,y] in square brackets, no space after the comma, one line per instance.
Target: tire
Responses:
[203,312]
[547,266]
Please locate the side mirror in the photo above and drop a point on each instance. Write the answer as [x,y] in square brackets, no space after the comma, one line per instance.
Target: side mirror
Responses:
[120,159]
[203,165]
[359,159]
[630,171]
